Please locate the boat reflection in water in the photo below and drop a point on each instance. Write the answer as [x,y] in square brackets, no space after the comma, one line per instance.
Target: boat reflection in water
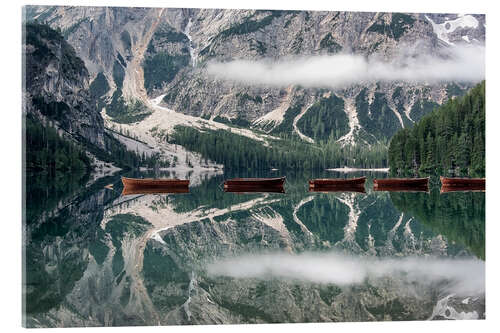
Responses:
[155,190]
[401,184]
[402,188]
[320,182]
[154,186]
[472,188]
[462,182]
[254,189]
[337,185]
[255,182]
[255,185]
[343,188]
[449,184]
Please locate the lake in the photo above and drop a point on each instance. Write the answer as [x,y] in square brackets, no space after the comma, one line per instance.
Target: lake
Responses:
[95,258]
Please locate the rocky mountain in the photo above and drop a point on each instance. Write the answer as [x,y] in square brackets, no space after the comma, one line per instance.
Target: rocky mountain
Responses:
[146,53]
[56,85]
[57,96]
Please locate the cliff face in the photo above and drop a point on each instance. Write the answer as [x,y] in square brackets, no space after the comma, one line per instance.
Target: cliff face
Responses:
[56,86]
[164,52]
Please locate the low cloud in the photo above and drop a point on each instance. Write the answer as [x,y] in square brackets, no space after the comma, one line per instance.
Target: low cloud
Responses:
[462,276]
[459,63]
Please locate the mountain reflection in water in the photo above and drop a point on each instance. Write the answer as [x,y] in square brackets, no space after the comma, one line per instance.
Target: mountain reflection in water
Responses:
[96,258]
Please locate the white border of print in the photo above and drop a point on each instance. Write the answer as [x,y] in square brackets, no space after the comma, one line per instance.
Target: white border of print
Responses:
[11,152]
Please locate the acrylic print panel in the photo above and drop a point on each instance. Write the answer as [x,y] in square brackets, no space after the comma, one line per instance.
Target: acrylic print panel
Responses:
[161,95]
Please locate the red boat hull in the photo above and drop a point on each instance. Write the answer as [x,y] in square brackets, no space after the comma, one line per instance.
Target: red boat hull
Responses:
[400,182]
[332,182]
[462,182]
[255,182]
[153,182]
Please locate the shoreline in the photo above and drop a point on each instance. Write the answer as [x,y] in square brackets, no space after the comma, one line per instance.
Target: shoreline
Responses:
[347,169]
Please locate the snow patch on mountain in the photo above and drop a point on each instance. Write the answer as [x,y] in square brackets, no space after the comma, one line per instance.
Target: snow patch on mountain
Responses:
[133,144]
[408,105]
[168,119]
[154,130]
[443,29]
[393,108]
[296,120]
[274,118]
[445,310]
[181,161]
[354,126]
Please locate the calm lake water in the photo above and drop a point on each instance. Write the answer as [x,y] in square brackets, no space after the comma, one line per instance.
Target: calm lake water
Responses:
[95,258]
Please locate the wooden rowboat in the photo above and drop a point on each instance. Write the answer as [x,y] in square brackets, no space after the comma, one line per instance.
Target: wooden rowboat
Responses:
[333,182]
[397,182]
[462,182]
[255,182]
[153,182]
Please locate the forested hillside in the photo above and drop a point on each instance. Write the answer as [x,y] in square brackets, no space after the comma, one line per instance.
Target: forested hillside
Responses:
[47,151]
[284,155]
[448,141]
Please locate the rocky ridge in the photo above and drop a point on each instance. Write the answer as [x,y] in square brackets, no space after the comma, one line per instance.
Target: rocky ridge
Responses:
[56,86]
[178,43]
